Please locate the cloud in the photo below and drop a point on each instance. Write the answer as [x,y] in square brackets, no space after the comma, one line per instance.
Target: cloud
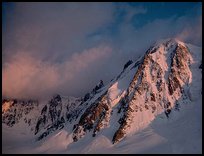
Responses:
[67,48]
[192,33]
[25,76]
[131,11]
[135,41]
[53,30]
[44,48]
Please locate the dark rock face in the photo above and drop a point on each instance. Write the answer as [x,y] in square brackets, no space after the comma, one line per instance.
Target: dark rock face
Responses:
[16,110]
[55,114]
[55,108]
[56,126]
[173,85]
[179,63]
[200,67]
[152,97]
[100,84]
[92,118]
[97,88]
[127,64]
[44,110]
[86,97]
[117,136]
[50,116]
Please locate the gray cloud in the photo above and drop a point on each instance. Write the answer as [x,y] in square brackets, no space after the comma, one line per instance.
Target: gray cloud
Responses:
[54,29]
[134,41]
[47,48]
[25,76]
[44,48]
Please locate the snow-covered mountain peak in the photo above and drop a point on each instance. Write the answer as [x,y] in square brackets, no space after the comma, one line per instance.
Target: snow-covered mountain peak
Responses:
[168,42]
[157,84]
[143,90]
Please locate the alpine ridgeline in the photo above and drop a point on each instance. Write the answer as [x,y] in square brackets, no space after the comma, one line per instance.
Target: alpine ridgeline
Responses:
[154,84]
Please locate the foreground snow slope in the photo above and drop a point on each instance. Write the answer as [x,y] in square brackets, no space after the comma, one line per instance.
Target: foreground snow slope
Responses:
[182,133]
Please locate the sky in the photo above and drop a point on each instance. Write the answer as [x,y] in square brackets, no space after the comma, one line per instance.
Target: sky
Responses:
[67,48]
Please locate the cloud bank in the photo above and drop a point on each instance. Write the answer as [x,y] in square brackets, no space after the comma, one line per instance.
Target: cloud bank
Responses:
[67,48]
[24,76]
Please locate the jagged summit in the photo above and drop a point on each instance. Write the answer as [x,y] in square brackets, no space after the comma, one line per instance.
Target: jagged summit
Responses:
[167,41]
[156,84]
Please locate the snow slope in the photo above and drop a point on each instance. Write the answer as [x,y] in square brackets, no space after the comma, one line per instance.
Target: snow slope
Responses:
[182,133]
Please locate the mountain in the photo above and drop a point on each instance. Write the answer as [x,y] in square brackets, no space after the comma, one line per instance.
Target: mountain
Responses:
[154,87]
[15,110]
[40,118]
